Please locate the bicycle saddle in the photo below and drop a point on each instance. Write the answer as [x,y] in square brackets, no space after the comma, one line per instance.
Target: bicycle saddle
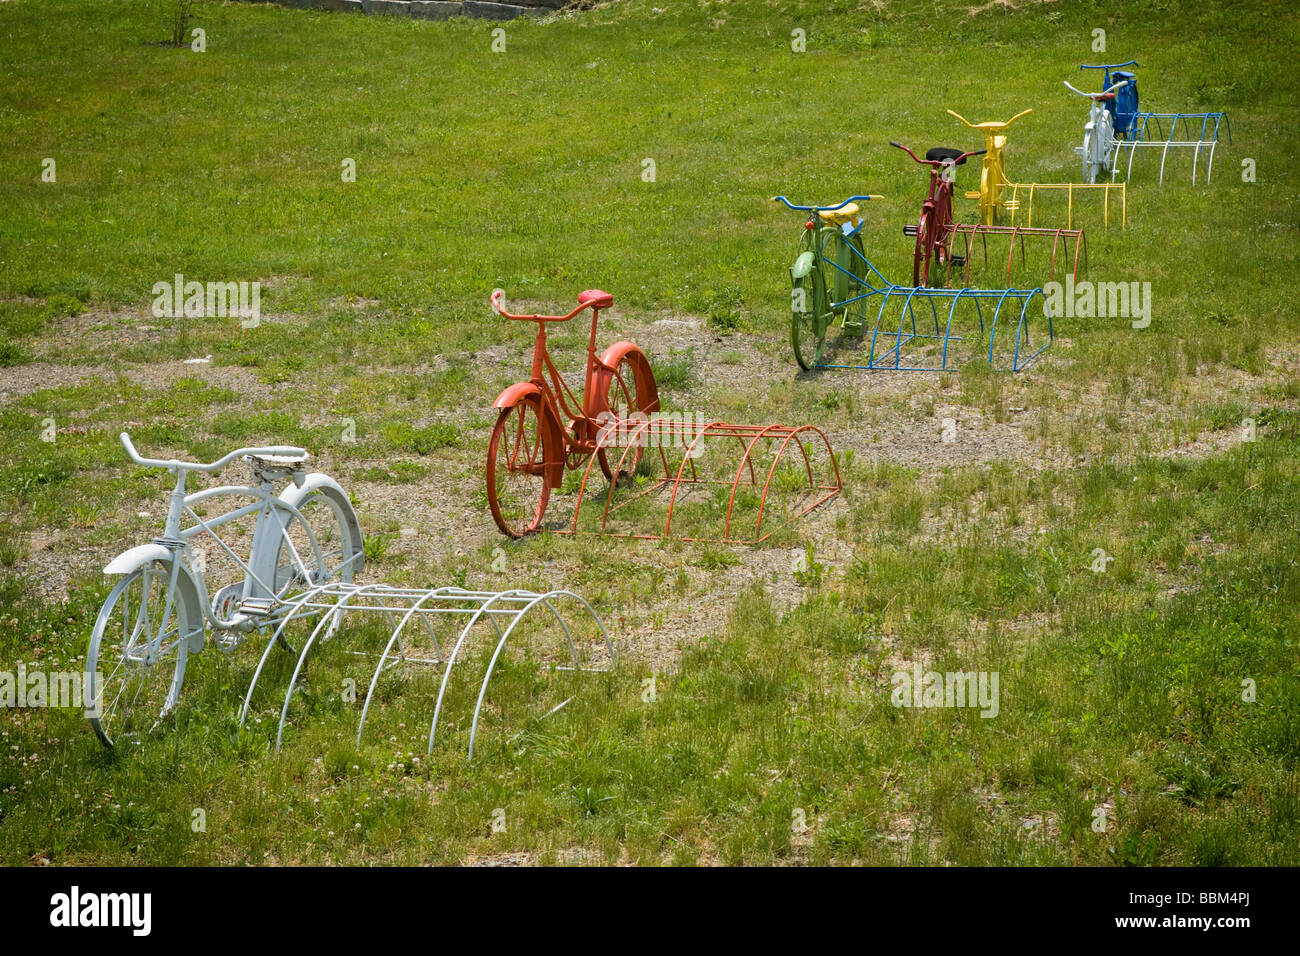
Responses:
[276,468]
[942,153]
[596,299]
[838,217]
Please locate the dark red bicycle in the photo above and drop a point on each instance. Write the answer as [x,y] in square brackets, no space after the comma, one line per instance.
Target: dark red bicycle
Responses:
[935,229]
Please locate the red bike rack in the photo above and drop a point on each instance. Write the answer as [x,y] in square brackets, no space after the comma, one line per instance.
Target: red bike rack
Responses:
[789,470]
[973,231]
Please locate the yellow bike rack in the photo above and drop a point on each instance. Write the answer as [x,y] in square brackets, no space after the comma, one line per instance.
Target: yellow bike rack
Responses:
[994,182]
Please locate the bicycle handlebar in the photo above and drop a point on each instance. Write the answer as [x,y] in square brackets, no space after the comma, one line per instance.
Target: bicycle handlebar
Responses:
[287,451]
[1106,66]
[790,205]
[992,125]
[1104,94]
[939,162]
[498,299]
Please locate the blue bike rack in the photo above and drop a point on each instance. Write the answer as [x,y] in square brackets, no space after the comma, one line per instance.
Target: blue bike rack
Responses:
[921,343]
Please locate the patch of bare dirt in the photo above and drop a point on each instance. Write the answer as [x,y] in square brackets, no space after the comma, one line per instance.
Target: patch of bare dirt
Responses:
[913,419]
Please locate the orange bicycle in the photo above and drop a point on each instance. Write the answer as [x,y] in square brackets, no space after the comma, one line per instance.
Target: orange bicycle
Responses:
[543,428]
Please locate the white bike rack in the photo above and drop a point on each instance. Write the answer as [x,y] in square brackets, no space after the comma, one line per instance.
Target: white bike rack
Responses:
[1164,145]
[500,612]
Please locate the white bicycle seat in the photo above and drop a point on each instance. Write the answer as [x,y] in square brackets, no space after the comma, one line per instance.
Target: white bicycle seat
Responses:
[278,461]
[276,468]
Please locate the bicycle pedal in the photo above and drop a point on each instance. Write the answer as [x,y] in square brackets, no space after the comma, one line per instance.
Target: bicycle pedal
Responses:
[958,261]
[257,607]
[911,230]
[972,194]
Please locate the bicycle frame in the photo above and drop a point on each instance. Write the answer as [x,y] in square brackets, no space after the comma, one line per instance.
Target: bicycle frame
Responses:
[584,414]
[935,229]
[269,522]
[842,221]
[270,531]
[1098,149]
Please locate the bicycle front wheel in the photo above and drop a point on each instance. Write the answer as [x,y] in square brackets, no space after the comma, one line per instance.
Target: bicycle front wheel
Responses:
[921,256]
[138,649]
[809,319]
[516,479]
[622,400]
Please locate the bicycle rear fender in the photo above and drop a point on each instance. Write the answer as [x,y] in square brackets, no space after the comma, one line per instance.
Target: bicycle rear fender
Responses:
[187,587]
[266,554]
[553,431]
[295,495]
[646,387]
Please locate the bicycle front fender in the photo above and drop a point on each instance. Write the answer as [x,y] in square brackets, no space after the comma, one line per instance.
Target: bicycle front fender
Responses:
[187,585]
[512,395]
[553,431]
[803,265]
[129,560]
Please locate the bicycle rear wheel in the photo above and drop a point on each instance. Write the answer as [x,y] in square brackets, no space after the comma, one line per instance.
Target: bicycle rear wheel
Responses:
[142,636]
[622,399]
[851,283]
[299,565]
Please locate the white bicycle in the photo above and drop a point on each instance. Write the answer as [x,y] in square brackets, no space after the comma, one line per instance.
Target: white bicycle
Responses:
[268,549]
[1099,143]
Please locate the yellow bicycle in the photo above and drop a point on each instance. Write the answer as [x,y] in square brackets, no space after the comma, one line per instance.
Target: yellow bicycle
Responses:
[995,185]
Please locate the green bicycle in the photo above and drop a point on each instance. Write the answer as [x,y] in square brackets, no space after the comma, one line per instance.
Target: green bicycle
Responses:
[827,278]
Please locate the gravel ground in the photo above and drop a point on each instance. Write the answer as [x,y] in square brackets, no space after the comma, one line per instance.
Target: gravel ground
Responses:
[439,518]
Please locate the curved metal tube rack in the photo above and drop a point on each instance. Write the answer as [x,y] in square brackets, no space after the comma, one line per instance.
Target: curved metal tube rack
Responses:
[975,230]
[1017,189]
[936,344]
[692,438]
[504,610]
[1164,145]
[1141,120]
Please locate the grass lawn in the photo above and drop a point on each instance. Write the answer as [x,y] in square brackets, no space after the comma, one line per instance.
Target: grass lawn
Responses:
[1149,696]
